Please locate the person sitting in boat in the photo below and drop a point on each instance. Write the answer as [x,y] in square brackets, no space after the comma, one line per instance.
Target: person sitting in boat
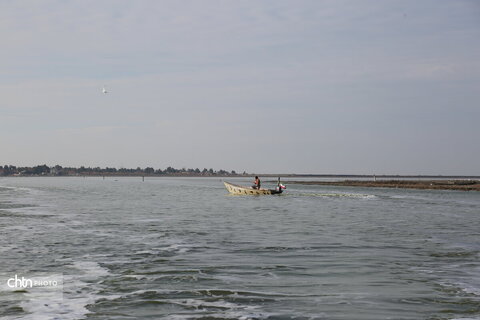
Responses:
[256,184]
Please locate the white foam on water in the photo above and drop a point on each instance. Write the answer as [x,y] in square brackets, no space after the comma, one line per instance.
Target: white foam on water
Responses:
[223,309]
[174,246]
[17,188]
[468,282]
[91,269]
[44,309]
[27,193]
[199,303]
[470,289]
[229,278]
[469,278]
[341,195]
[79,290]
[141,252]
[177,247]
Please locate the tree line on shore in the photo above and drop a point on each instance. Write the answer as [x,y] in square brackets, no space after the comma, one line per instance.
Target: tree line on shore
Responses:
[44,170]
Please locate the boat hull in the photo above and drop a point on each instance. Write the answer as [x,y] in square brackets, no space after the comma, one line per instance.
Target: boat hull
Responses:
[236,189]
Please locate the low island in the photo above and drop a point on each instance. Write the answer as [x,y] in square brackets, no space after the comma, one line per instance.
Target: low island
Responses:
[462,185]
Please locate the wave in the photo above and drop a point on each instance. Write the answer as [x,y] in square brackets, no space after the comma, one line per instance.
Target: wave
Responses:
[79,290]
[206,303]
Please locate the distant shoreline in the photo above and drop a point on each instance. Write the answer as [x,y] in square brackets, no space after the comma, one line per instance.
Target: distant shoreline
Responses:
[461,185]
[57,170]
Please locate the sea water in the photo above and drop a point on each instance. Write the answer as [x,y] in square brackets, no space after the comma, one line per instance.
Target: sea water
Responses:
[182,248]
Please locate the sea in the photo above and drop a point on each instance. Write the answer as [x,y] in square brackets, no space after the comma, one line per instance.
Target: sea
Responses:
[183,248]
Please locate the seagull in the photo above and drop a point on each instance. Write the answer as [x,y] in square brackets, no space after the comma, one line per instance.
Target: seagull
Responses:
[104,90]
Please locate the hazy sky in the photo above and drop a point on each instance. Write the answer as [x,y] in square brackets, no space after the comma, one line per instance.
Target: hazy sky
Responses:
[351,87]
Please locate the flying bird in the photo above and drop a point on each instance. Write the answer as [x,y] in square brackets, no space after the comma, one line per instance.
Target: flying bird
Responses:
[104,90]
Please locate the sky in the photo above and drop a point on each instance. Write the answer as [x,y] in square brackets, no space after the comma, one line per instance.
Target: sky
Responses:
[269,86]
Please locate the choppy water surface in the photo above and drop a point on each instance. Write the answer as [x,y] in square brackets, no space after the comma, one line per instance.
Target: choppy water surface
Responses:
[182,248]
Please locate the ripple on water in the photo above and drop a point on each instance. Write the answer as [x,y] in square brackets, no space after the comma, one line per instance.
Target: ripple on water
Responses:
[201,304]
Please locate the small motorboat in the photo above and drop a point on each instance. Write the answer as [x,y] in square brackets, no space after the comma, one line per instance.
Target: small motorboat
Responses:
[236,189]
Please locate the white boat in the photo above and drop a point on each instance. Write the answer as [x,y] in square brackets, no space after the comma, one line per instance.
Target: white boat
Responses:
[236,189]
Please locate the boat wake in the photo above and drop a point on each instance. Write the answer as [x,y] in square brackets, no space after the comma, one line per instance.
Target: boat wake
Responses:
[337,195]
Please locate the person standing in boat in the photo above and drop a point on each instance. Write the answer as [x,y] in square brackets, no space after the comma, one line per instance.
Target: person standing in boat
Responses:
[256,183]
